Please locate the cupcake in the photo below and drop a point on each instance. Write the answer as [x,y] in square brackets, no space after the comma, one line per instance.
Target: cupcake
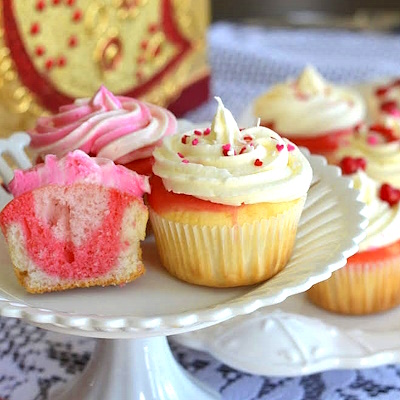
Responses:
[379,145]
[370,281]
[384,103]
[311,112]
[75,222]
[122,129]
[225,203]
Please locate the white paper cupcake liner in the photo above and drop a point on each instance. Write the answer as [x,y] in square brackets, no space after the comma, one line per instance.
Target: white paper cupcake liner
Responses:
[360,288]
[227,256]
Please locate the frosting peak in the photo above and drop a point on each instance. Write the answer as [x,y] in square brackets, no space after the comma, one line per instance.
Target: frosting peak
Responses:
[105,100]
[224,127]
[229,166]
[310,82]
[309,106]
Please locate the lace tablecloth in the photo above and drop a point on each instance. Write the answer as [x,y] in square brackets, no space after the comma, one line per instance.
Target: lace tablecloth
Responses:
[244,62]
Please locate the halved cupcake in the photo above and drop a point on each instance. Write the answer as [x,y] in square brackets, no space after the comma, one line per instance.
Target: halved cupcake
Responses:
[225,203]
[75,222]
[311,112]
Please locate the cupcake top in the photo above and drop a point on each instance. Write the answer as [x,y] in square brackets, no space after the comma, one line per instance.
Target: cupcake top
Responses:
[384,102]
[78,167]
[119,128]
[309,106]
[382,210]
[226,165]
[379,145]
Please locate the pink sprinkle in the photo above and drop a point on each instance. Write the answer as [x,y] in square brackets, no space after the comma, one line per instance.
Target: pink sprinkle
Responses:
[195,141]
[207,131]
[280,147]
[185,161]
[226,148]
[372,140]
[290,147]
[180,155]
[198,133]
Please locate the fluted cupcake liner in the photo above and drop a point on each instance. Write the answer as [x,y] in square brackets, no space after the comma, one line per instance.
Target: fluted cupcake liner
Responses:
[223,256]
[360,288]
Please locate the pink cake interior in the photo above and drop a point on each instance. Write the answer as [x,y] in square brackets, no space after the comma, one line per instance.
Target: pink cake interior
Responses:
[68,232]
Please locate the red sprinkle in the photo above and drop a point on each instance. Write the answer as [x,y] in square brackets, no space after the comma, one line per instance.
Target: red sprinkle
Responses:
[184,139]
[207,131]
[390,107]
[180,155]
[290,147]
[195,142]
[247,138]
[389,194]
[381,91]
[225,149]
[242,150]
[258,163]
[56,2]
[185,161]
[384,131]
[280,147]
[198,133]
[70,3]
[350,165]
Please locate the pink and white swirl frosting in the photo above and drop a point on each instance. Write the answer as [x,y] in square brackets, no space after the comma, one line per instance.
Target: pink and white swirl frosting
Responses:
[78,167]
[119,128]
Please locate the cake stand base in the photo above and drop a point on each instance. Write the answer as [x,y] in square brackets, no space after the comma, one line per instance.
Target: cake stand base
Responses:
[134,369]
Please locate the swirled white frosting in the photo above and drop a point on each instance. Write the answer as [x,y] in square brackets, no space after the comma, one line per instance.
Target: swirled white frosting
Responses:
[227,166]
[384,221]
[383,158]
[310,106]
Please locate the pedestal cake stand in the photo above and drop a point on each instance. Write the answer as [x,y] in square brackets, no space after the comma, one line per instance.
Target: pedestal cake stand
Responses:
[132,359]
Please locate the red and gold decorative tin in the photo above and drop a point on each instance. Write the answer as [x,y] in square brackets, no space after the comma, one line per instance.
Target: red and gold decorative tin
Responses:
[53,51]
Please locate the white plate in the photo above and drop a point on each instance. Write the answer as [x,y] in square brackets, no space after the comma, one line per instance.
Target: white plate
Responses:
[158,304]
[298,338]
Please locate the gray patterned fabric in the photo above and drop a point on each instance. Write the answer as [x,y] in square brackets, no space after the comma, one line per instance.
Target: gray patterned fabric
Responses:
[244,61]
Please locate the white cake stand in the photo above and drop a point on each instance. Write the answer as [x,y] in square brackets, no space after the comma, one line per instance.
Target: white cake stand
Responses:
[132,360]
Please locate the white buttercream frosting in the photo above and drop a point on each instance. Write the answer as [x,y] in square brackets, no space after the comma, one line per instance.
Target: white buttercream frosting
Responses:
[310,106]
[384,221]
[382,156]
[228,166]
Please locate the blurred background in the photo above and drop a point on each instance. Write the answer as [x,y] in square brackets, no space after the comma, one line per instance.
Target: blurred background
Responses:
[356,14]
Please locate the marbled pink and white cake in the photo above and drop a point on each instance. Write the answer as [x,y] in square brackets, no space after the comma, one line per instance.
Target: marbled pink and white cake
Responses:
[122,129]
[75,222]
